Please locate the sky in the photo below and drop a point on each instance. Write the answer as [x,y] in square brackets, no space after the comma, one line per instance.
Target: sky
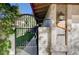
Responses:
[24,8]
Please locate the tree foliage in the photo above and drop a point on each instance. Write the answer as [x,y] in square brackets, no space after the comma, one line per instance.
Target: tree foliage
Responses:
[8,13]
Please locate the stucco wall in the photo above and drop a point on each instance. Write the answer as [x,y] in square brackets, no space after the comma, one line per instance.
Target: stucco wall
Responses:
[58,46]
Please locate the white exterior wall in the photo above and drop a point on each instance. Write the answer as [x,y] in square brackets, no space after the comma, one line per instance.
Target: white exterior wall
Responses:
[58,46]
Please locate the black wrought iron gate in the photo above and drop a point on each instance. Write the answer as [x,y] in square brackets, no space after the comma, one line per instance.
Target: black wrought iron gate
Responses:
[26,31]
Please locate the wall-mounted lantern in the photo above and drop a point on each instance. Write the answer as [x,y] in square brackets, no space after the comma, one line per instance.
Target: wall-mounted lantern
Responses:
[61,16]
[61,20]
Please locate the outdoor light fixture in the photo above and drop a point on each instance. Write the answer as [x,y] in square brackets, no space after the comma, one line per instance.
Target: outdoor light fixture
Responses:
[61,20]
[61,16]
